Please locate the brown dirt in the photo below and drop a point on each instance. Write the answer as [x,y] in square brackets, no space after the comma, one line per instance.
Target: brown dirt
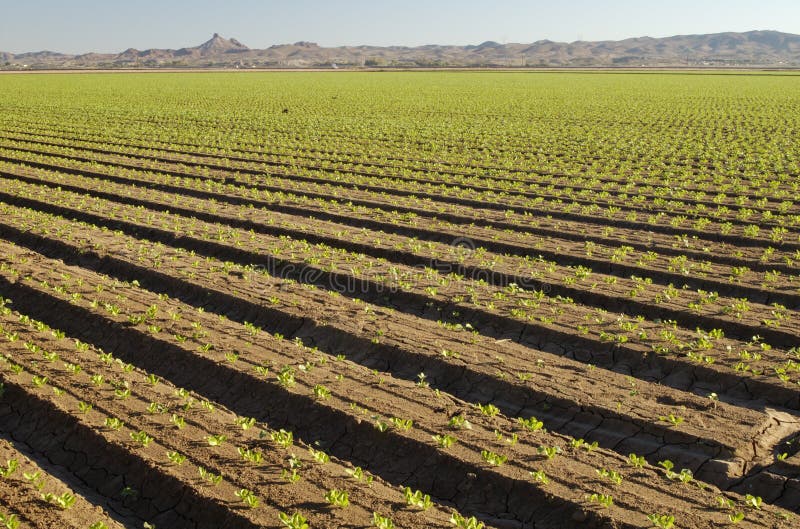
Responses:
[221,314]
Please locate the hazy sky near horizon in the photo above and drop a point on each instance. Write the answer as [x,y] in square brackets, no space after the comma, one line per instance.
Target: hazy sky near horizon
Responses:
[78,26]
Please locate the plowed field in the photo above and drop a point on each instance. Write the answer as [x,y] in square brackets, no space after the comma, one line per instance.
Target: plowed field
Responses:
[412,300]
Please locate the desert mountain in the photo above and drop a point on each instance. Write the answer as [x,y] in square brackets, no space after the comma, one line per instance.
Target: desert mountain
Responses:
[749,49]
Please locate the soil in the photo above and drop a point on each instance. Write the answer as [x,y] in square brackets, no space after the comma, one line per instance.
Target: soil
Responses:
[183,306]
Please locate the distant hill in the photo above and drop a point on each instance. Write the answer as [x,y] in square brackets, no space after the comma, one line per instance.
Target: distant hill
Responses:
[750,49]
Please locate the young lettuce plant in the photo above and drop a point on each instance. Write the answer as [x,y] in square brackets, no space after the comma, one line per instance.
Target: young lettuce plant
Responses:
[244,422]
[462,522]
[9,469]
[673,419]
[490,410]
[175,457]
[417,499]
[549,451]
[663,521]
[382,522]
[611,475]
[359,475]
[178,421]
[319,456]
[604,500]
[113,423]
[540,477]
[459,422]
[9,521]
[64,501]
[531,424]
[444,441]
[294,521]
[753,502]
[402,424]
[493,458]
[248,498]
[636,461]
[216,440]
[282,438]
[321,392]
[253,456]
[337,498]
[292,474]
[142,438]
[212,479]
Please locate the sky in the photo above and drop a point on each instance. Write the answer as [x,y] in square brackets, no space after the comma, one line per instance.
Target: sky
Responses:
[79,26]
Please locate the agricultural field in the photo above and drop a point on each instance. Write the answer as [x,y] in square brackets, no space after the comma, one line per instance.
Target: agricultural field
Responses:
[409,300]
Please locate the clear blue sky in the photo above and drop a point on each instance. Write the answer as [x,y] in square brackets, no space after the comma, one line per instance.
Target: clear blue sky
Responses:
[76,26]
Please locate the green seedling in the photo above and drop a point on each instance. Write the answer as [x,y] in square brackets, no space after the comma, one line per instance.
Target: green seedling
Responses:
[337,498]
[417,499]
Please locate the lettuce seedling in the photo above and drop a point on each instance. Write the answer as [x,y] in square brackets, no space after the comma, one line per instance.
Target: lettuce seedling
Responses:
[604,500]
[664,521]
[444,441]
[286,377]
[245,422]
[459,422]
[490,410]
[213,479]
[253,456]
[673,419]
[530,423]
[403,424]
[113,423]
[65,501]
[612,475]
[753,501]
[359,475]
[319,456]
[321,392]
[337,498]
[462,522]
[282,438]
[417,499]
[290,475]
[9,521]
[382,426]
[178,421]
[215,440]
[175,457]
[492,458]
[295,521]
[248,498]
[35,479]
[549,451]
[9,469]
[540,476]
[141,438]
[636,461]
[668,465]
[382,522]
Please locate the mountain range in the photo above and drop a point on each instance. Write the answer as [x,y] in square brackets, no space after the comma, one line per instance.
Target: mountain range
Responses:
[748,49]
